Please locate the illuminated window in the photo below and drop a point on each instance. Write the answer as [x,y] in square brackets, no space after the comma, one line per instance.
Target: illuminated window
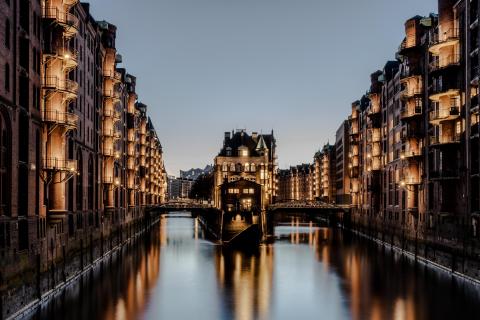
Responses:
[247,167]
[225,167]
[252,167]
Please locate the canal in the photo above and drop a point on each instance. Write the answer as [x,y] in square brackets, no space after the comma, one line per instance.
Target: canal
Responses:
[308,272]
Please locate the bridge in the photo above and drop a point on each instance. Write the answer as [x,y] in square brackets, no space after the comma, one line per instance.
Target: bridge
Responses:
[183,204]
[308,205]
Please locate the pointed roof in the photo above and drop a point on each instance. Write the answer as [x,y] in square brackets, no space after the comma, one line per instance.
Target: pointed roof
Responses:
[261,145]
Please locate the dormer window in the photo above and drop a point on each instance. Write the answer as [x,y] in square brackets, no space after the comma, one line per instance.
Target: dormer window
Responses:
[229,152]
[243,151]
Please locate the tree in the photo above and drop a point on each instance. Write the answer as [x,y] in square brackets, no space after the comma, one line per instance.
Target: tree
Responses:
[202,188]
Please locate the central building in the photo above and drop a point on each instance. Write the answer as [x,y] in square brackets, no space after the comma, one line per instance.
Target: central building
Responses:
[245,172]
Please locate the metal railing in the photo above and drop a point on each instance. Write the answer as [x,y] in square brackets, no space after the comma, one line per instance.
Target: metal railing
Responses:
[411,112]
[55,83]
[445,114]
[445,139]
[57,164]
[441,37]
[440,63]
[112,74]
[64,18]
[114,94]
[65,118]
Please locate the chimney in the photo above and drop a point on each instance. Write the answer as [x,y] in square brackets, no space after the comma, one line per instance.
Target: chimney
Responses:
[227,137]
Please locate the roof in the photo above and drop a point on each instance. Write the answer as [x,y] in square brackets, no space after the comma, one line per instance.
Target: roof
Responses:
[255,143]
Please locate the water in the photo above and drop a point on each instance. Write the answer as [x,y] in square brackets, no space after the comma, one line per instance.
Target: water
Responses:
[309,272]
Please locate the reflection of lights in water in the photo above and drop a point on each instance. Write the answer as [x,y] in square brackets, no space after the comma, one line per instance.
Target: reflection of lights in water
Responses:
[251,281]
[195,229]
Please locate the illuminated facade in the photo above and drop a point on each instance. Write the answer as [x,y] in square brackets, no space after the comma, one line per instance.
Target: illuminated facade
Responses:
[247,157]
[80,158]
[296,183]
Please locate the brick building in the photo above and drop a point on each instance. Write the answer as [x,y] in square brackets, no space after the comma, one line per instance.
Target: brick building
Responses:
[80,158]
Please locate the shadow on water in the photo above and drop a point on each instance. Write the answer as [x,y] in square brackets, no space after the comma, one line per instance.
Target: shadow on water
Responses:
[309,271]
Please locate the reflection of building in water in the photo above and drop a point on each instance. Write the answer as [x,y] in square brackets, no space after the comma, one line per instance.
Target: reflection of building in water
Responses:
[360,274]
[246,282]
[141,269]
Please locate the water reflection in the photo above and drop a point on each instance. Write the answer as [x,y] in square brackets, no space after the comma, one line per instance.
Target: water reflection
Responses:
[309,272]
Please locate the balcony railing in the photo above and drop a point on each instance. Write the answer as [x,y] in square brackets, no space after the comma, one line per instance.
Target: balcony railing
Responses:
[409,112]
[66,19]
[411,180]
[445,139]
[441,115]
[409,153]
[112,114]
[112,133]
[444,37]
[63,118]
[111,94]
[70,2]
[444,62]
[410,92]
[112,74]
[55,83]
[437,90]
[69,56]
[57,164]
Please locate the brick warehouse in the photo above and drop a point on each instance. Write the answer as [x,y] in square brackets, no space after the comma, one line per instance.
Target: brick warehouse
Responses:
[80,158]
[412,144]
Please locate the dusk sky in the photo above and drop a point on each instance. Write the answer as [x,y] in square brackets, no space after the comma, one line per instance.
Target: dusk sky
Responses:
[294,66]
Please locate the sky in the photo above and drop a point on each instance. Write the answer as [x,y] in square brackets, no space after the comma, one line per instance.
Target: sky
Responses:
[204,67]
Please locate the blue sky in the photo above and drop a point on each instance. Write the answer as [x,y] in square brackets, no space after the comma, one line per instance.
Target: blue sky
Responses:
[294,66]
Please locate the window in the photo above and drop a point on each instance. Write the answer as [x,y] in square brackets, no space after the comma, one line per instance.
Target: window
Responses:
[225,167]
[7,77]
[7,34]
[252,167]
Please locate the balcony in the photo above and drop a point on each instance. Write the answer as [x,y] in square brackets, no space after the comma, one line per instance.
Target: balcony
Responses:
[131,164]
[116,135]
[408,113]
[408,93]
[444,62]
[411,181]
[442,115]
[445,140]
[67,87]
[114,114]
[411,153]
[57,164]
[67,55]
[68,21]
[439,40]
[408,73]
[113,75]
[438,91]
[111,94]
[110,152]
[66,119]
[407,44]
[70,3]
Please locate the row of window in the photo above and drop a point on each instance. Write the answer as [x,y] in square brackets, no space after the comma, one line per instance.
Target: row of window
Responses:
[244,191]
[239,167]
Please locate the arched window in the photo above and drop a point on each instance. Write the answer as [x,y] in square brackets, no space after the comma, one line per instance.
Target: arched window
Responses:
[79,185]
[253,168]
[232,167]
[7,77]
[247,167]
[7,34]
[225,167]
[5,154]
